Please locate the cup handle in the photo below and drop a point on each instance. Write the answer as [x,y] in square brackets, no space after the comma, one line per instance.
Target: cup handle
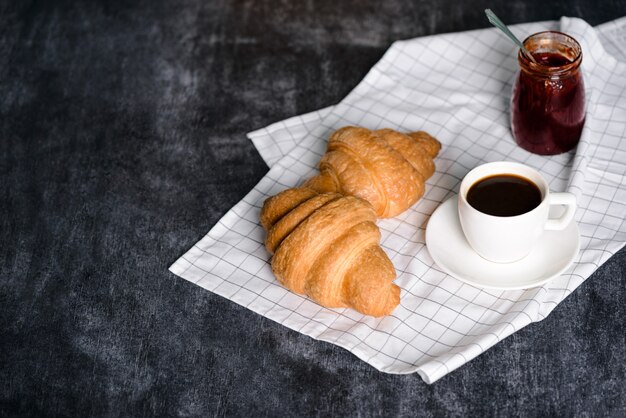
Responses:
[566,199]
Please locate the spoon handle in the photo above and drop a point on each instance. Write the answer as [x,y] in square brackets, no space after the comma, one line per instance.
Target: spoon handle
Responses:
[495,21]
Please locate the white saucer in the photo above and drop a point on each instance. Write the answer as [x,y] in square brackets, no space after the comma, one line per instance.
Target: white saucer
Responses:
[446,243]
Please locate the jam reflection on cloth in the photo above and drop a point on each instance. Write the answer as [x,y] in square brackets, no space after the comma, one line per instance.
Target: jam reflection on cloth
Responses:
[548,107]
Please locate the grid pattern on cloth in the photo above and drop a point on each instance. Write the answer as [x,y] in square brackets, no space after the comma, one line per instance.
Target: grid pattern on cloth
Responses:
[456,87]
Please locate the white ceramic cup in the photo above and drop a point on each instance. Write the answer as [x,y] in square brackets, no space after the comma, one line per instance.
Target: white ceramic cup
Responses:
[505,239]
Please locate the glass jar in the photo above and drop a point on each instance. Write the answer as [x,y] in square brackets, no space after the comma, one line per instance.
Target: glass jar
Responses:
[548,100]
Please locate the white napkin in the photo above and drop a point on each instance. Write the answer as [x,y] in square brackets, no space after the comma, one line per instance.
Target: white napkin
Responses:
[456,87]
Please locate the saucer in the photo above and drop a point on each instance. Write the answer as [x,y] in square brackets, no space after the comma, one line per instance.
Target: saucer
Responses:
[553,254]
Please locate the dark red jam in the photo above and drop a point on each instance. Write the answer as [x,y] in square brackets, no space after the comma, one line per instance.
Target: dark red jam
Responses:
[548,101]
[551,59]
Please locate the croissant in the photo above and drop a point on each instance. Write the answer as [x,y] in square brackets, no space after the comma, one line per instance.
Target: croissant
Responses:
[326,246]
[385,167]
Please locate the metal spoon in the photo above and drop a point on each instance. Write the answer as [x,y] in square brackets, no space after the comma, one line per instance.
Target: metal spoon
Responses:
[495,21]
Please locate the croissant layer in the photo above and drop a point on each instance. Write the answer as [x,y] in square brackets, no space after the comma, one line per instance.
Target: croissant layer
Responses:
[385,167]
[317,244]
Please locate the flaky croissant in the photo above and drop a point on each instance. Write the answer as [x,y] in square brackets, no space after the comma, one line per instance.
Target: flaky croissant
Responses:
[326,246]
[384,167]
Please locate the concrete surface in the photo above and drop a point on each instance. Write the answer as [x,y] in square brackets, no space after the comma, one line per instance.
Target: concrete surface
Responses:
[122,142]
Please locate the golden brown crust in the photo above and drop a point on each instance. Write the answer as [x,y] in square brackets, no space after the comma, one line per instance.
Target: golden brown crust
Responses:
[277,206]
[325,181]
[326,278]
[285,225]
[308,241]
[416,151]
[385,167]
[368,283]
[317,244]
[427,141]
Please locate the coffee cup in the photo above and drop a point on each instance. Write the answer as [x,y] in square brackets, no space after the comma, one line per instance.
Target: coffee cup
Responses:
[504,208]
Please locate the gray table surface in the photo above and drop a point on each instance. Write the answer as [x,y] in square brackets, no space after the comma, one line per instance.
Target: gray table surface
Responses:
[122,142]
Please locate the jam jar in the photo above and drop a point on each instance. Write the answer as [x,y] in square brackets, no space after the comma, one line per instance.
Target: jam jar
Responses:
[548,100]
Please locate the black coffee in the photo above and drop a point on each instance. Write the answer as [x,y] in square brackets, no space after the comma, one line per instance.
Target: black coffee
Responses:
[504,195]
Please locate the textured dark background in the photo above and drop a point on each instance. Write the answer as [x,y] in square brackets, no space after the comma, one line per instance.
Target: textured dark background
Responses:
[122,142]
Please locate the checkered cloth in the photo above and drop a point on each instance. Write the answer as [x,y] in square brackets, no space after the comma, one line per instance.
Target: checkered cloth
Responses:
[456,87]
